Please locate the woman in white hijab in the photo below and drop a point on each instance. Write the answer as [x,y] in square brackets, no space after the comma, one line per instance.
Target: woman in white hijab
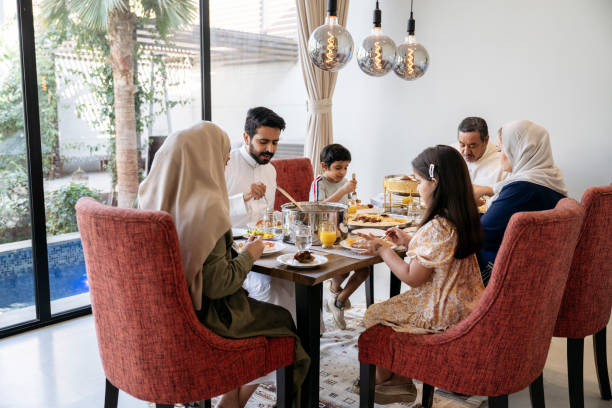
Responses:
[534,184]
[187,180]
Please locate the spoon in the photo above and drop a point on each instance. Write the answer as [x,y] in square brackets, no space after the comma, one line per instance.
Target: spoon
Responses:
[286,194]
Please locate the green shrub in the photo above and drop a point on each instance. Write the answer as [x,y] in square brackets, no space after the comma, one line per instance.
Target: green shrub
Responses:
[60,212]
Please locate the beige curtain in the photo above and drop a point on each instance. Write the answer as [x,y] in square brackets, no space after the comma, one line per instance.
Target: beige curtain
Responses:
[319,84]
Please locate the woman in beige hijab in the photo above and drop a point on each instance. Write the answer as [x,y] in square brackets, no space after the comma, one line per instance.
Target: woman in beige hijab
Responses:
[187,180]
[534,184]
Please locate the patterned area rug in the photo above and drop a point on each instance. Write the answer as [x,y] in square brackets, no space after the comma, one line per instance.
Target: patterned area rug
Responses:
[340,367]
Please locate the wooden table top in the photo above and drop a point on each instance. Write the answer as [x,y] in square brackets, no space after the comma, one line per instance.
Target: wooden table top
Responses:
[336,265]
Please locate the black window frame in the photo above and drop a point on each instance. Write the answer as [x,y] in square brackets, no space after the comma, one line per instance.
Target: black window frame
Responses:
[40,265]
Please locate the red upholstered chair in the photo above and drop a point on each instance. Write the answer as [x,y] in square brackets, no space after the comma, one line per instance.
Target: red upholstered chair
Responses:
[295,176]
[585,309]
[501,347]
[151,343]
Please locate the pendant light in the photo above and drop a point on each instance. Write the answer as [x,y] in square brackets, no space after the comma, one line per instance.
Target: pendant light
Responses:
[330,46]
[411,58]
[377,52]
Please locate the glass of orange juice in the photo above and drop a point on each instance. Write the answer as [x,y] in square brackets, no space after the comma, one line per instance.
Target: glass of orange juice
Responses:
[327,233]
[352,209]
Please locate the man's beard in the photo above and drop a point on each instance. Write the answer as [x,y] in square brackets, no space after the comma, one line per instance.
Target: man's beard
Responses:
[260,158]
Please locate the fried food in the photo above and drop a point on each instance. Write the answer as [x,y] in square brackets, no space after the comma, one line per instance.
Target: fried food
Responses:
[303,257]
[370,220]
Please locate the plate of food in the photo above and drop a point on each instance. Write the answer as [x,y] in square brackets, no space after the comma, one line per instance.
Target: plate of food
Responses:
[269,247]
[261,233]
[357,244]
[239,232]
[302,260]
[378,220]
[370,210]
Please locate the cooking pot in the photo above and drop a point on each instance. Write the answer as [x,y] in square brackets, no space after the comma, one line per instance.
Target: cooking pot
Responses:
[312,214]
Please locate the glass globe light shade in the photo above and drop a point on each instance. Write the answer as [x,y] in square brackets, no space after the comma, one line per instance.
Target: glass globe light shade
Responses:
[411,59]
[376,54]
[330,46]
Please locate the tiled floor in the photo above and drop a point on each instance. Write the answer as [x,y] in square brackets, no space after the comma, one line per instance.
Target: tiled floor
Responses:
[59,367]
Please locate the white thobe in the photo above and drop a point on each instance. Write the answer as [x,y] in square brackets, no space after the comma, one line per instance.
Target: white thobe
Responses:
[487,170]
[242,171]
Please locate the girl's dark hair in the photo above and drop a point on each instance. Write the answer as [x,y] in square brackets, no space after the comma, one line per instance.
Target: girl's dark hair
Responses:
[453,197]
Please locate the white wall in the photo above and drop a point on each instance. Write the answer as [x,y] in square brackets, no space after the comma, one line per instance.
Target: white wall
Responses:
[549,61]
[278,86]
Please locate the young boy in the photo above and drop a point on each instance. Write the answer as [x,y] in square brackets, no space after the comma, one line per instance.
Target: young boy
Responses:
[332,187]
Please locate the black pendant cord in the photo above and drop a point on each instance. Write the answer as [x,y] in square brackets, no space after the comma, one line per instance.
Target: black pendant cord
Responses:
[332,7]
[411,22]
[377,16]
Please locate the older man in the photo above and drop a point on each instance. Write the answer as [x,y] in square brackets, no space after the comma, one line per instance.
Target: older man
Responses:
[481,156]
[251,186]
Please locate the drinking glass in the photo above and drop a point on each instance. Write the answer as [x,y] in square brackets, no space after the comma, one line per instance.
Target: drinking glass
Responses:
[303,237]
[268,221]
[327,233]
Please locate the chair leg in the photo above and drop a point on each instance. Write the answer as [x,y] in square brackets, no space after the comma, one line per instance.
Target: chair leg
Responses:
[536,393]
[601,363]
[111,395]
[367,381]
[284,387]
[427,398]
[500,401]
[369,287]
[575,362]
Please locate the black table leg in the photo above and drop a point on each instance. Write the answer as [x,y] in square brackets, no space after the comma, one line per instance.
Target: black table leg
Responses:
[307,306]
[369,287]
[394,285]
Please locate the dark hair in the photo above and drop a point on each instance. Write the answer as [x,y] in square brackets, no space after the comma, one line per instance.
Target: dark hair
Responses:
[474,124]
[333,153]
[260,116]
[453,197]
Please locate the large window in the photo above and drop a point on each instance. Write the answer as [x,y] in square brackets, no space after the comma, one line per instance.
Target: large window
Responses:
[82,139]
[254,62]
[16,273]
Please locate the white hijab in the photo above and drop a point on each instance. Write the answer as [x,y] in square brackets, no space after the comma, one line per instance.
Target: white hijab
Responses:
[187,180]
[527,146]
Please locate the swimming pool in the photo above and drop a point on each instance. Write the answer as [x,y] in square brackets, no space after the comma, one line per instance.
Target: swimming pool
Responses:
[67,275]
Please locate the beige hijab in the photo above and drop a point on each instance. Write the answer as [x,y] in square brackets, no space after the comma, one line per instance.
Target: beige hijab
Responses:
[527,146]
[187,180]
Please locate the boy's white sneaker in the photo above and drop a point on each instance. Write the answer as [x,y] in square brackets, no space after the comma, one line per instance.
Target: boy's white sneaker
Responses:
[337,313]
[332,293]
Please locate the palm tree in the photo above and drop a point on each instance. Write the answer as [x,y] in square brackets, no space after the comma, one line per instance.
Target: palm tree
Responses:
[117,19]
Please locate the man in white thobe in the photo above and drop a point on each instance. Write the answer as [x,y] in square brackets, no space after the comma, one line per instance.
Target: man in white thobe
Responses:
[251,186]
[481,156]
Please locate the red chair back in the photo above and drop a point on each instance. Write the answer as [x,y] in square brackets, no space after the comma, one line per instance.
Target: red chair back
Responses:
[501,347]
[587,301]
[151,343]
[295,176]
[517,312]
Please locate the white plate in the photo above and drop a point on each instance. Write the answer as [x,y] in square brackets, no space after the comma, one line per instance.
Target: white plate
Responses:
[377,232]
[269,248]
[343,244]
[373,210]
[239,232]
[288,260]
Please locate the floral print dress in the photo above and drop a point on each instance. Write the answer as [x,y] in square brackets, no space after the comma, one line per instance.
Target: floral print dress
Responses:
[447,297]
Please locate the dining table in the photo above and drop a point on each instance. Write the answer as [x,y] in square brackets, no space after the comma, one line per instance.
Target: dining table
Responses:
[309,296]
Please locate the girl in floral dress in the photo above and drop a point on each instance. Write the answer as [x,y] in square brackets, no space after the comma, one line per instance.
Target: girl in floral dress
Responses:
[440,266]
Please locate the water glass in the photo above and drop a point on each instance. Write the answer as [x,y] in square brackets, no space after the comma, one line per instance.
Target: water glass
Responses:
[303,237]
[268,221]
